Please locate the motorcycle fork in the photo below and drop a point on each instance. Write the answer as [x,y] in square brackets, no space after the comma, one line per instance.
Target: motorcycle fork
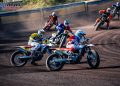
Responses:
[97,20]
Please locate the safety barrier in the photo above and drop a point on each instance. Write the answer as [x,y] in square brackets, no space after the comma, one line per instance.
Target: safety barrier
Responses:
[98,5]
[10,6]
[41,14]
[65,9]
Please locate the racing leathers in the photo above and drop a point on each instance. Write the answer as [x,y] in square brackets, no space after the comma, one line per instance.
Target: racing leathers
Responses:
[53,20]
[117,6]
[76,42]
[35,40]
[107,15]
[61,28]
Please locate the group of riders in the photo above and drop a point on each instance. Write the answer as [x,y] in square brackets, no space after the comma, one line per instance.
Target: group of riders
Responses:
[74,40]
[109,14]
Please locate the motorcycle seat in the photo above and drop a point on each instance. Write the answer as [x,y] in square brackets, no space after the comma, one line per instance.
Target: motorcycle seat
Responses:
[28,46]
[63,49]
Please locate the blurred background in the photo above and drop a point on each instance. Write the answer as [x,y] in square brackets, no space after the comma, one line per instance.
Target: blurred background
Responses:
[18,5]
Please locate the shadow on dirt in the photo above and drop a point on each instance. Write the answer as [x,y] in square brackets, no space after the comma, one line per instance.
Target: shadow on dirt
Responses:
[19,70]
[88,68]
[110,67]
[36,69]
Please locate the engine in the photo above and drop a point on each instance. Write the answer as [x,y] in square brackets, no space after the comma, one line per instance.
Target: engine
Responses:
[72,55]
[38,55]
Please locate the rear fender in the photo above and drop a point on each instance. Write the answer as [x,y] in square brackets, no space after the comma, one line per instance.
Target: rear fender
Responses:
[21,49]
[24,48]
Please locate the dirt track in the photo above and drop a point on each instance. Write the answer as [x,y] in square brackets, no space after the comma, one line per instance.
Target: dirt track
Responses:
[107,44]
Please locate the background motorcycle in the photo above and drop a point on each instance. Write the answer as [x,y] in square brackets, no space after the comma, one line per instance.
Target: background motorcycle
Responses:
[23,55]
[59,40]
[48,26]
[61,56]
[100,21]
[115,11]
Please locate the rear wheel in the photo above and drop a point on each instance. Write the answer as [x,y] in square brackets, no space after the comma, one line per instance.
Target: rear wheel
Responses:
[93,59]
[53,63]
[16,60]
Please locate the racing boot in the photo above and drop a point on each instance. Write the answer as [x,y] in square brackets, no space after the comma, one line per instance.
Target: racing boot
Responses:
[33,58]
[33,63]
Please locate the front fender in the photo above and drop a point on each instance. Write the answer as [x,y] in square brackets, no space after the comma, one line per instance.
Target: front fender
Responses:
[58,52]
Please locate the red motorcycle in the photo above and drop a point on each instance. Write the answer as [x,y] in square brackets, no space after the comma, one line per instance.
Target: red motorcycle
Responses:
[100,21]
[61,56]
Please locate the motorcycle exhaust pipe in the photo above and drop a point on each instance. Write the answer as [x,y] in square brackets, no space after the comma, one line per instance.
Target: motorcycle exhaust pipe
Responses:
[25,57]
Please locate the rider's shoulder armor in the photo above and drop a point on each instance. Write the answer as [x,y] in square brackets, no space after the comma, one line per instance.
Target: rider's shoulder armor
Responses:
[102,11]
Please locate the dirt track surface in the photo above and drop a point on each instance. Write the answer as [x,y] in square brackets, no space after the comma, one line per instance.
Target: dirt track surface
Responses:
[108,74]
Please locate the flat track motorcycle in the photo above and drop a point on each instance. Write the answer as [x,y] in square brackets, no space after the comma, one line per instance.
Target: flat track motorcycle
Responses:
[23,54]
[115,11]
[100,21]
[61,56]
[59,40]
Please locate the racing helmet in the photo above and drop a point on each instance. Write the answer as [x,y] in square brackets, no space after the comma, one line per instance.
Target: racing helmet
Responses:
[53,14]
[40,33]
[108,10]
[66,23]
[34,35]
[79,33]
[118,3]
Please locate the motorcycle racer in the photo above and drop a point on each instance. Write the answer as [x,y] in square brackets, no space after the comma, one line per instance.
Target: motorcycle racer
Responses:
[53,20]
[117,5]
[75,42]
[62,27]
[106,13]
[35,40]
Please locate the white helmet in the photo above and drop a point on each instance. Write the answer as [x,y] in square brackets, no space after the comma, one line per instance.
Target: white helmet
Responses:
[53,14]
[66,23]
[108,10]
[80,33]
[40,32]
[118,3]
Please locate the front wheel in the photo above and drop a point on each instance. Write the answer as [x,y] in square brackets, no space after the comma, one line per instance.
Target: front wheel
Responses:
[53,63]
[98,25]
[16,60]
[93,59]
[62,42]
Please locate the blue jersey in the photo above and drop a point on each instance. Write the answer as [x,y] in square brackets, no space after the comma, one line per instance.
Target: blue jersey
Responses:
[117,6]
[60,27]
